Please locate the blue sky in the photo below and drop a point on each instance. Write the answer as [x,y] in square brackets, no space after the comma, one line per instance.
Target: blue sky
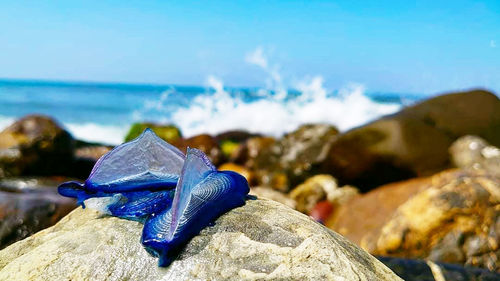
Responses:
[397,46]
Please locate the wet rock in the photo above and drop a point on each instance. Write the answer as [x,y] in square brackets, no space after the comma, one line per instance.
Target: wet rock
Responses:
[304,149]
[168,133]
[230,142]
[474,152]
[28,205]
[262,240]
[414,141]
[453,216]
[205,143]
[35,145]
[420,270]
[319,188]
[295,157]
[256,153]
[313,190]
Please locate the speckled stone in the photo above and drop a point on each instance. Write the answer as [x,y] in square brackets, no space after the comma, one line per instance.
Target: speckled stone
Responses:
[263,240]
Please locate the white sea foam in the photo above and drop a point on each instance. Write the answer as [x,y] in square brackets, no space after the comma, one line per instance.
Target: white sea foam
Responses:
[218,112]
[108,134]
[273,110]
[5,121]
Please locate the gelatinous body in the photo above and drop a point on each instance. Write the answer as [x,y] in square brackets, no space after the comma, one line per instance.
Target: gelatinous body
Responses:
[147,162]
[135,181]
[202,195]
[131,170]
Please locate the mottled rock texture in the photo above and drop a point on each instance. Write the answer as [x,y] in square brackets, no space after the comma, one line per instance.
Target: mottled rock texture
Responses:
[319,188]
[205,143]
[262,240]
[452,217]
[286,162]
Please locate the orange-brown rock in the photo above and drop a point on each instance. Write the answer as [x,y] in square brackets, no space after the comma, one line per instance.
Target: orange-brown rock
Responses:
[205,143]
[239,169]
[453,217]
[364,215]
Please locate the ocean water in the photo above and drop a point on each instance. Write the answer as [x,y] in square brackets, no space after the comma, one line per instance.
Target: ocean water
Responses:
[100,112]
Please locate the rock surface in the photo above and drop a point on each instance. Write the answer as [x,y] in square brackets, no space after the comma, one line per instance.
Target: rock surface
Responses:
[318,188]
[421,270]
[414,141]
[290,160]
[168,133]
[474,152]
[262,240]
[35,145]
[451,217]
[28,205]
[205,143]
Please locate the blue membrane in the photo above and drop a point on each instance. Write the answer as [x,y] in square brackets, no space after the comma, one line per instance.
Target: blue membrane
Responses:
[146,163]
[202,195]
[135,180]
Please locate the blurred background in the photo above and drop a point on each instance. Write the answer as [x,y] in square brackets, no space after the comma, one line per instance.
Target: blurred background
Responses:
[360,114]
[351,61]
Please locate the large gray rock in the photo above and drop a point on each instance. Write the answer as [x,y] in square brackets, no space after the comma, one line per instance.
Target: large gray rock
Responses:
[262,240]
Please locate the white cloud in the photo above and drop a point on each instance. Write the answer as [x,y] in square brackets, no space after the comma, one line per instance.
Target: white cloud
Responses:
[493,44]
[257,57]
[274,82]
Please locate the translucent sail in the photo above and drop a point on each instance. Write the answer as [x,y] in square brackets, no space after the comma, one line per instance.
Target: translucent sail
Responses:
[202,195]
[148,162]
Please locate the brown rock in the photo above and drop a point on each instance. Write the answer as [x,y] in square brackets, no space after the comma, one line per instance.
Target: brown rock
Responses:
[255,152]
[363,216]
[28,205]
[293,158]
[230,142]
[35,145]
[205,143]
[414,141]
[238,169]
